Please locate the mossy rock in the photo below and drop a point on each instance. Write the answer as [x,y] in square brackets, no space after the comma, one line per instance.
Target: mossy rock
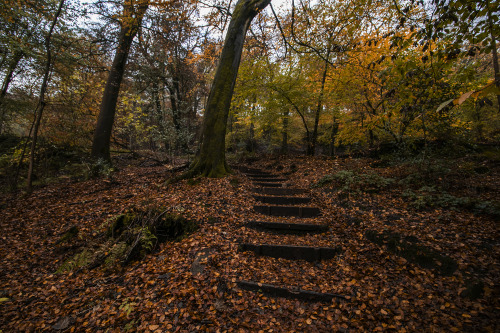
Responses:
[120,223]
[68,235]
[174,227]
[79,260]
[130,236]
[116,254]
[414,253]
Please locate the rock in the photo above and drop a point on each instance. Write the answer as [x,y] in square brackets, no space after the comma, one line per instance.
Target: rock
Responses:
[199,262]
[63,323]
[165,276]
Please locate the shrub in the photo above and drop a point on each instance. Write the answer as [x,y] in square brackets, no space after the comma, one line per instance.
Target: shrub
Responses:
[353,182]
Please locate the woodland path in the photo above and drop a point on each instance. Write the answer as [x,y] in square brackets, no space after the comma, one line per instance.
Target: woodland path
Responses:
[277,198]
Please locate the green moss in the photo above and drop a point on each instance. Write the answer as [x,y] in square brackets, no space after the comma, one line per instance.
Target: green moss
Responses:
[116,254]
[353,182]
[77,261]
[325,180]
[193,181]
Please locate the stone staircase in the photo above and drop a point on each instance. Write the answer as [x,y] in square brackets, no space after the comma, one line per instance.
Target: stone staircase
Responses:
[277,199]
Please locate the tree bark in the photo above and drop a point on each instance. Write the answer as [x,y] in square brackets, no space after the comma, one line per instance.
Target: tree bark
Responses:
[41,100]
[16,58]
[132,18]
[333,136]
[211,159]
[494,51]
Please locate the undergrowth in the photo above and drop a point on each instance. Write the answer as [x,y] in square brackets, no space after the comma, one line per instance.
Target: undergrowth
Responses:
[130,236]
[353,182]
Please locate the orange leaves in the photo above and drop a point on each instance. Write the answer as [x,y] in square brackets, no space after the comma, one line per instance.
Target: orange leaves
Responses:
[160,293]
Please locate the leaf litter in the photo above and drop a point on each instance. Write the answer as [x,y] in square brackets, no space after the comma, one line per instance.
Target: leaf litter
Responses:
[161,293]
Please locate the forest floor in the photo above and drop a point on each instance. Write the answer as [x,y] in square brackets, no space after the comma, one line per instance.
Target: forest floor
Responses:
[420,252]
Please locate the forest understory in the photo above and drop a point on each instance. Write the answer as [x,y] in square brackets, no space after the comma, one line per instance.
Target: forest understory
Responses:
[419,251]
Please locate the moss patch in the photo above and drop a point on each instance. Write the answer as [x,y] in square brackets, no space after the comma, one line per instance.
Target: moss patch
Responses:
[130,236]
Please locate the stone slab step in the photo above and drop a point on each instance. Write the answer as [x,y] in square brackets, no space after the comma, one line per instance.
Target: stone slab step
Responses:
[281,200]
[268,184]
[299,294]
[265,180]
[279,191]
[287,211]
[288,227]
[251,170]
[261,175]
[292,252]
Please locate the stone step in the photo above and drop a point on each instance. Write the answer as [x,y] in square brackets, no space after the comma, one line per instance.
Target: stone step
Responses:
[279,191]
[251,170]
[268,184]
[292,252]
[299,294]
[288,227]
[265,180]
[260,175]
[281,200]
[287,211]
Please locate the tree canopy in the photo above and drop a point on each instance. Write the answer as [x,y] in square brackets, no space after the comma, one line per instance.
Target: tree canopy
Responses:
[315,77]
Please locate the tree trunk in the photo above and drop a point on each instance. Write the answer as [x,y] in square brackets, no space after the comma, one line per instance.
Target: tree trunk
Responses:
[211,159]
[41,100]
[284,133]
[131,23]
[251,139]
[494,51]
[333,136]
[16,58]
[319,107]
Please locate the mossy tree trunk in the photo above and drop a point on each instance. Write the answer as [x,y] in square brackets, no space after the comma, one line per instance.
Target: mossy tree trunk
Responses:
[210,160]
[133,12]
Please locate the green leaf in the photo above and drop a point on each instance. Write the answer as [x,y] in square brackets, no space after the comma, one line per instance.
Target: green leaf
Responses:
[445,104]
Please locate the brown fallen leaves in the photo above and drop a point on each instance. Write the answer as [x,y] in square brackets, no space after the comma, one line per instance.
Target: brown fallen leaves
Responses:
[161,294]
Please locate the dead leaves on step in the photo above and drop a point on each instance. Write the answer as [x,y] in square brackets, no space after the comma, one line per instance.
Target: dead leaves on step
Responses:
[163,293]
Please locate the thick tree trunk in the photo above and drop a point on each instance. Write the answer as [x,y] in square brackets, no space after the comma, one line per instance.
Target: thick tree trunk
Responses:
[14,62]
[211,159]
[41,101]
[130,26]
